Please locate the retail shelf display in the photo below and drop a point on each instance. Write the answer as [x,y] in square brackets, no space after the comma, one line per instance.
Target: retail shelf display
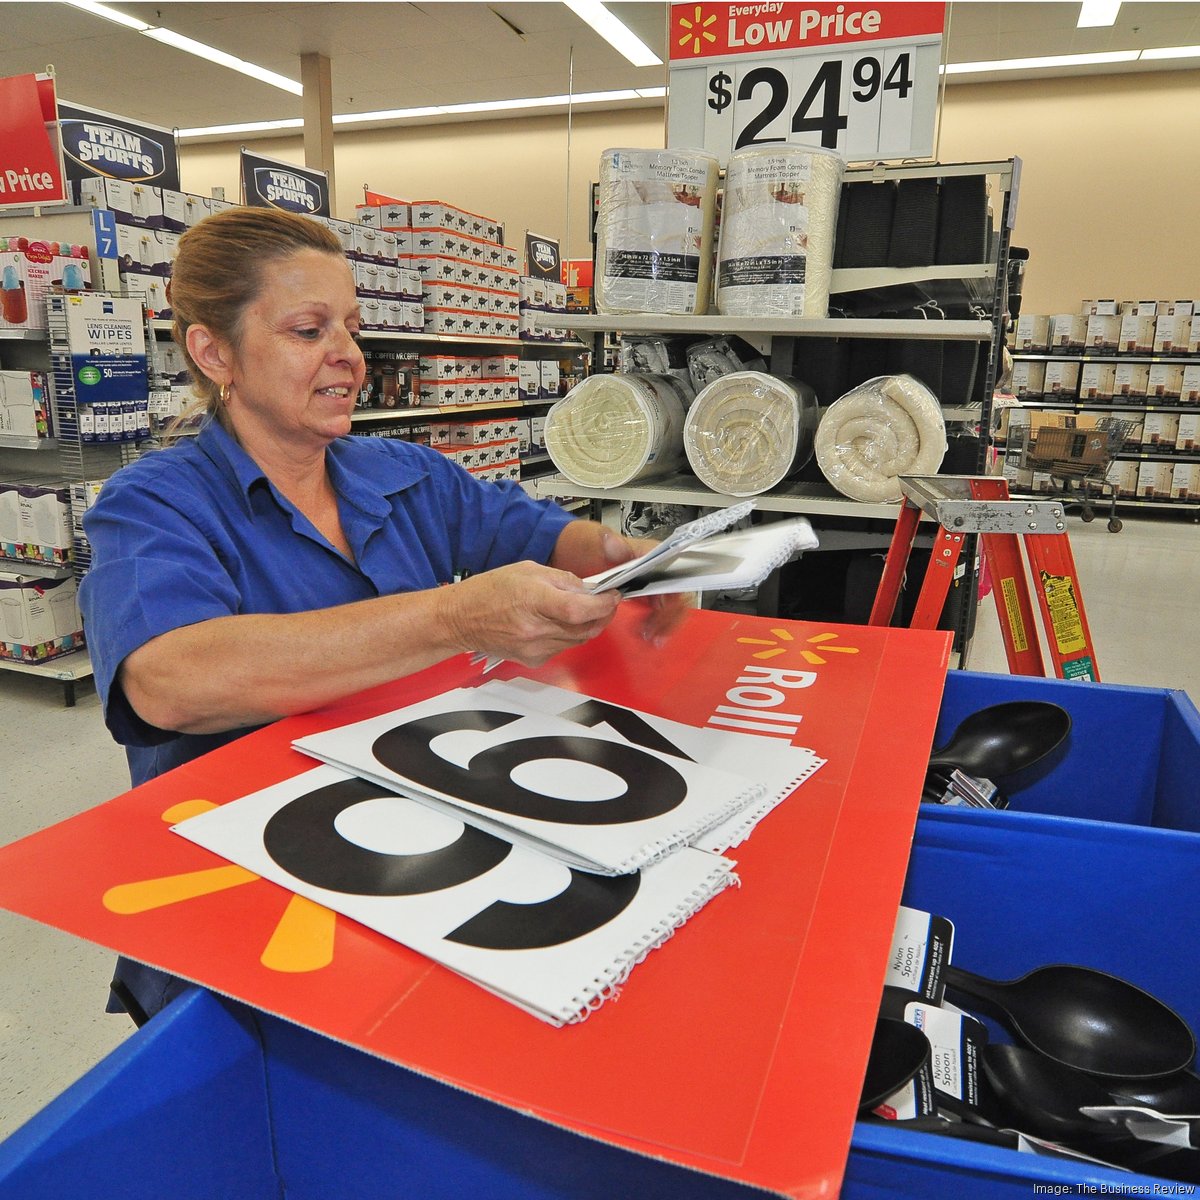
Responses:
[957,300]
[1133,359]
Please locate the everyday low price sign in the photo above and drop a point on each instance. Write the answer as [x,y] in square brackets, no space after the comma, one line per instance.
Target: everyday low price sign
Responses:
[31,168]
[861,79]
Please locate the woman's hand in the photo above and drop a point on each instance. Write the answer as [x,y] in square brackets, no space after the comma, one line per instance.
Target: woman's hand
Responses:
[525,613]
[586,548]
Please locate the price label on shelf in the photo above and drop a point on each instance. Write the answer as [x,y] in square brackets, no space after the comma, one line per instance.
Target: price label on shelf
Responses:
[856,78]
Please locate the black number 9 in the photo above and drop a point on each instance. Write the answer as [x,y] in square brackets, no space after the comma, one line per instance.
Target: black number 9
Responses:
[867,74]
[652,786]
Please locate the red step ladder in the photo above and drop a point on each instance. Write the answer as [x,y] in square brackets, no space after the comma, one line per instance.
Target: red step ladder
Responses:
[963,504]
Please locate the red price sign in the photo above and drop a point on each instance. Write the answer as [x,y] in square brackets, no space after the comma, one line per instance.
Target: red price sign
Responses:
[31,168]
[857,78]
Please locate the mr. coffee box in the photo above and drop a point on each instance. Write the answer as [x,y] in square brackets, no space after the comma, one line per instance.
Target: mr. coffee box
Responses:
[1062,378]
[1189,386]
[1097,381]
[1131,379]
[1155,480]
[1166,381]
[1137,334]
[1103,332]
[1125,478]
[1172,334]
[1033,333]
[1068,331]
[1159,430]
[1185,481]
[1028,379]
[1187,435]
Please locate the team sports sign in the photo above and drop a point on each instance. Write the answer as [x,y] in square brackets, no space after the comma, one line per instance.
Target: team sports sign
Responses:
[862,79]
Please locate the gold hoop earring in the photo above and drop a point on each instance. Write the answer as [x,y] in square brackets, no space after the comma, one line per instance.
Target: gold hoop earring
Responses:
[224,395]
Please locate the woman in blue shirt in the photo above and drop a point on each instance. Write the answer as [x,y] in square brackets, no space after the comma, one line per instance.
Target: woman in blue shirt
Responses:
[273,563]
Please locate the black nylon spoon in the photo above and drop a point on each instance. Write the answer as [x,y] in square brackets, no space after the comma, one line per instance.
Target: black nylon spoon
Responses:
[898,1052]
[1178,1093]
[1003,738]
[1086,1019]
[1044,1097]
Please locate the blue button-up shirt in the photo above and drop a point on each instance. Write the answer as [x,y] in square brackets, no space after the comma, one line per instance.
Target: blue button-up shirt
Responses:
[198,531]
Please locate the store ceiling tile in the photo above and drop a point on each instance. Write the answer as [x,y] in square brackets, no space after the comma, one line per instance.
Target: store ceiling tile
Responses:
[389,55]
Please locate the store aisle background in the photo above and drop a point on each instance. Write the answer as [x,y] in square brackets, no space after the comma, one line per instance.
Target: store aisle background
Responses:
[1138,587]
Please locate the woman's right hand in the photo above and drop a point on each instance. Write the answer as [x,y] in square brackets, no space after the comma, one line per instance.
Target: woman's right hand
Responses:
[525,612]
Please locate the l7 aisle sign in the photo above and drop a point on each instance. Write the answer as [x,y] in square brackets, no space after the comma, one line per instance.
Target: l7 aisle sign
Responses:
[861,79]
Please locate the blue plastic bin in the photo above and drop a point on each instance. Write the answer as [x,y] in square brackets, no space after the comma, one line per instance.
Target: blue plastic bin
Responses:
[213,1100]
[1097,863]
[1133,755]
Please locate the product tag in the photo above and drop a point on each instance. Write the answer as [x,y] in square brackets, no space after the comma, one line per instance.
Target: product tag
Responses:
[970,791]
[1147,1125]
[921,945]
[957,1041]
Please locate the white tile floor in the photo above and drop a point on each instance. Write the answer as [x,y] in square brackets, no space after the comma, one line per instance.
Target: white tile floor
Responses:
[1139,588]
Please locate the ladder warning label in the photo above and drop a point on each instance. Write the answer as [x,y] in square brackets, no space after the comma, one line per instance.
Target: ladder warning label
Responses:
[1080,669]
[1008,587]
[1063,606]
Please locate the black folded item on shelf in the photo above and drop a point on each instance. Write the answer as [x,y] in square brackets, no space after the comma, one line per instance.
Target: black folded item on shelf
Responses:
[963,225]
[913,241]
[865,224]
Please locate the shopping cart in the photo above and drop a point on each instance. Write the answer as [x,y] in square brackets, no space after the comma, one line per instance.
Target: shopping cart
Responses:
[1077,458]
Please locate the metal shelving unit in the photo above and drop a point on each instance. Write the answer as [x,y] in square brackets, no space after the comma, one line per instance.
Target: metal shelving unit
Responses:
[981,285]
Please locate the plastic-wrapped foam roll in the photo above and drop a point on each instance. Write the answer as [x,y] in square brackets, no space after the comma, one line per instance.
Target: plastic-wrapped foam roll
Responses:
[654,231]
[778,224]
[746,432]
[887,427]
[609,430]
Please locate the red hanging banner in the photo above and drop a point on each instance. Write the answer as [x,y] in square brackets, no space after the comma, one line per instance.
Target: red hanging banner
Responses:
[31,169]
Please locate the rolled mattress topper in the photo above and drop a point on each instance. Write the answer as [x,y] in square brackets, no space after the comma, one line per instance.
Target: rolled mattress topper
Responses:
[889,426]
[747,431]
[610,430]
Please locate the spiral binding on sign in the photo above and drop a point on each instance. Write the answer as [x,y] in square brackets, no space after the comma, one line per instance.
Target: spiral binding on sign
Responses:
[656,851]
[606,984]
[752,815]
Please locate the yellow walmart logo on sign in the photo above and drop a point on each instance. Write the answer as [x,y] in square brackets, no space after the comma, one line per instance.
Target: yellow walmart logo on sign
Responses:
[696,30]
[773,649]
[303,937]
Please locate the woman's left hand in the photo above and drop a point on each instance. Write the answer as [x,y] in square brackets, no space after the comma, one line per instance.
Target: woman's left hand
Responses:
[586,548]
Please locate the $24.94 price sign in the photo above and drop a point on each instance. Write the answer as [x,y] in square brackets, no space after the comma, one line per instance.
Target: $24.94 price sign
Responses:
[860,79]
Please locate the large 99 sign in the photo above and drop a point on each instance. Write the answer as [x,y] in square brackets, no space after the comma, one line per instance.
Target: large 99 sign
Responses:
[304,839]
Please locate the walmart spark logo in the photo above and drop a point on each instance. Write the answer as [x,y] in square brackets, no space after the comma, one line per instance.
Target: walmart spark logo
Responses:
[772,648]
[695,30]
[302,939]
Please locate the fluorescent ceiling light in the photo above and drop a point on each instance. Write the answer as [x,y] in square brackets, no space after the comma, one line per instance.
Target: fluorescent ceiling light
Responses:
[1095,13]
[439,110]
[169,38]
[1036,64]
[1173,52]
[620,37]
[109,14]
[244,127]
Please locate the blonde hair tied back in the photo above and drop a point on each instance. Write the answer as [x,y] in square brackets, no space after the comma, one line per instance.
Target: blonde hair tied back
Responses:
[218,272]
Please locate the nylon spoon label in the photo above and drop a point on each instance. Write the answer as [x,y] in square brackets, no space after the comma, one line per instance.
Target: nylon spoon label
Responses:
[921,946]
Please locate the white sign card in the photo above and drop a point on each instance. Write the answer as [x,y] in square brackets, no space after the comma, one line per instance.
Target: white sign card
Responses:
[594,799]
[555,941]
[862,79]
[779,767]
